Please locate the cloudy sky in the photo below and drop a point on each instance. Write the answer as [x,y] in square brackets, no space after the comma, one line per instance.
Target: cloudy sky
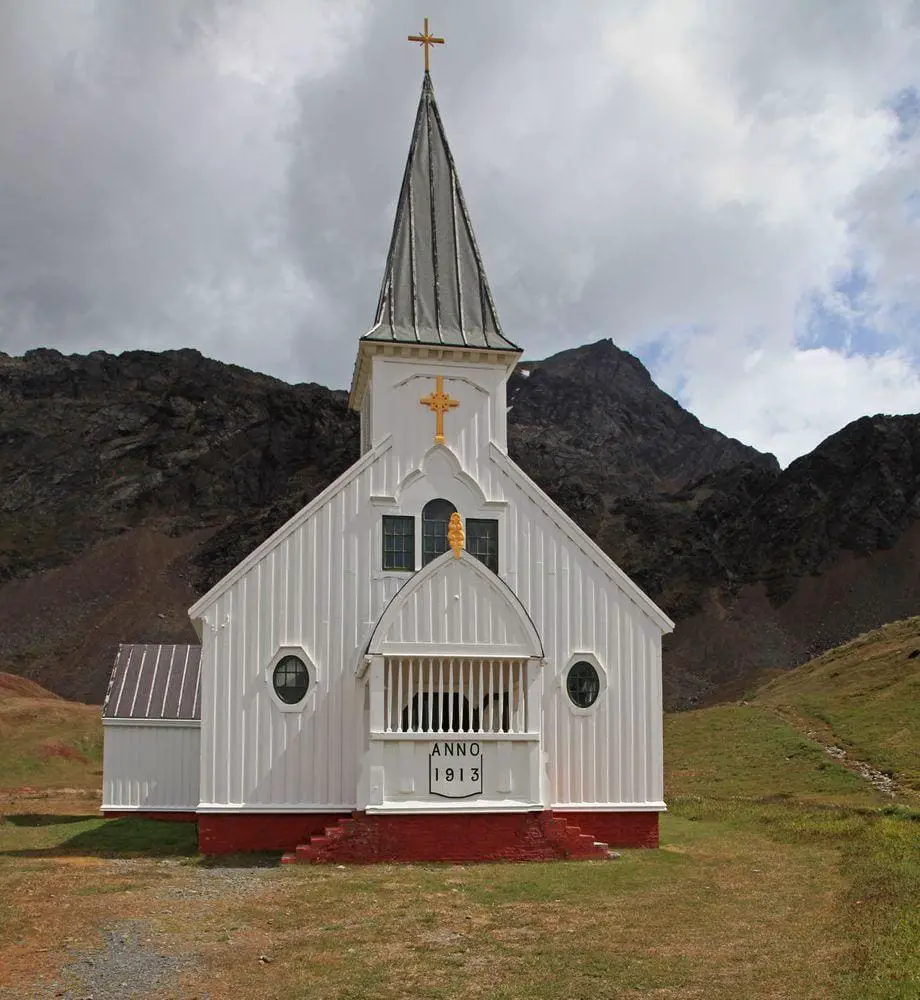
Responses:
[730,191]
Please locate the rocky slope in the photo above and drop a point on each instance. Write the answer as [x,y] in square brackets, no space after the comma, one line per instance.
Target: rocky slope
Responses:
[131,483]
[594,413]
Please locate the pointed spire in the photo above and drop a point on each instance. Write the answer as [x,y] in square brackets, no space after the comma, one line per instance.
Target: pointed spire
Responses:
[434,287]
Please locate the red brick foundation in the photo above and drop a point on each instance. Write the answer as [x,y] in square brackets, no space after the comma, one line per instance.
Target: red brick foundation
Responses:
[164,817]
[231,833]
[617,829]
[361,838]
[457,837]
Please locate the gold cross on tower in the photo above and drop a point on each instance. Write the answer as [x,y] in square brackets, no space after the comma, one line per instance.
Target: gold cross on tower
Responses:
[439,403]
[426,39]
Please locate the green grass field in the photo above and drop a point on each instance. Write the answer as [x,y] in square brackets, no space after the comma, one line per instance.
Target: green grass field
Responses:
[46,742]
[865,695]
[782,873]
[748,751]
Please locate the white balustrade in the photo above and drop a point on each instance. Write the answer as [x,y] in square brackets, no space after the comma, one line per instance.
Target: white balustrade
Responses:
[432,694]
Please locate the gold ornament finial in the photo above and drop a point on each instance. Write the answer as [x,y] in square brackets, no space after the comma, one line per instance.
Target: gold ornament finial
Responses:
[426,39]
[455,534]
[439,403]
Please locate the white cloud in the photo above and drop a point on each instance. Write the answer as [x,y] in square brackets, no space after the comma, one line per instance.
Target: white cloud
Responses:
[788,401]
[690,175]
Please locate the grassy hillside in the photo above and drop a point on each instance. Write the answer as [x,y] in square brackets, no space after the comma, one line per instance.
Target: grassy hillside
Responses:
[863,696]
[46,742]
[762,764]
[750,752]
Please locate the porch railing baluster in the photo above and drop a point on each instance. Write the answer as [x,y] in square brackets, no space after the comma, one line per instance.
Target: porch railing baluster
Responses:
[400,728]
[386,695]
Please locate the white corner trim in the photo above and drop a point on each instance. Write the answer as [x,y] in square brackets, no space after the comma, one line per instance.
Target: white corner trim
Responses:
[332,490]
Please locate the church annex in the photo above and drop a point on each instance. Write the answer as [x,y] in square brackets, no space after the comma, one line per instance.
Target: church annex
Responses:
[430,661]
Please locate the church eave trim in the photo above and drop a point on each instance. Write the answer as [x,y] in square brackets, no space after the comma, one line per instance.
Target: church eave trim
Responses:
[583,541]
[291,525]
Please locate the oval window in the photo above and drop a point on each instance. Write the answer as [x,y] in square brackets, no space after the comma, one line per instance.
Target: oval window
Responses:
[583,684]
[291,680]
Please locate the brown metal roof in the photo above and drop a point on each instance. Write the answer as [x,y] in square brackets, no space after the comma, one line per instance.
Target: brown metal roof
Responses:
[154,682]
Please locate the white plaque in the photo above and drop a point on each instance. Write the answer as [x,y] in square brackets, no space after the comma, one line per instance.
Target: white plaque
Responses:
[455,769]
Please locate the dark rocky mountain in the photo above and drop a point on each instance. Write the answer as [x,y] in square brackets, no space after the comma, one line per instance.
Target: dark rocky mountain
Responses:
[129,484]
[596,410]
[91,446]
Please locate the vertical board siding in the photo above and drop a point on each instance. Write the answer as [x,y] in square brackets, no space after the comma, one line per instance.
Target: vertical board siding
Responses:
[315,589]
[611,755]
[151,767]
[321,588]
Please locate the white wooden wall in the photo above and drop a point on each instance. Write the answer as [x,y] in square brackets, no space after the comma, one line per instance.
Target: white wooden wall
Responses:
[611,754]
[150,767]
[317,583]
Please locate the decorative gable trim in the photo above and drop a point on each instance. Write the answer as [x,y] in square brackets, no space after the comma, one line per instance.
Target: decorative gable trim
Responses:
[581,540]
[530,644]
[332,490]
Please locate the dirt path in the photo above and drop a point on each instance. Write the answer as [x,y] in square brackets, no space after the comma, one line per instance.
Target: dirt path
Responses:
[144,944]
[825,737]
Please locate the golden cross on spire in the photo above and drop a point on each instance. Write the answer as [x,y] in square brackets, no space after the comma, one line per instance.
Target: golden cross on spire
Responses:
[439,403]
[426,39]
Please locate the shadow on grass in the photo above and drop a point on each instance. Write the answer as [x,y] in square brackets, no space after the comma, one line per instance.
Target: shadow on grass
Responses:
[44,819]
[105,838]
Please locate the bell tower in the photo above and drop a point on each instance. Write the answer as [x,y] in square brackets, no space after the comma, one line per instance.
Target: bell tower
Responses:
[436,328]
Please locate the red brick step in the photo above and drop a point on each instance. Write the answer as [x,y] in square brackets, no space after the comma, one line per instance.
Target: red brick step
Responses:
[461,837]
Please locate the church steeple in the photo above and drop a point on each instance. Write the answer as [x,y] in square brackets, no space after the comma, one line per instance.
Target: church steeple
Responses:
[434,287]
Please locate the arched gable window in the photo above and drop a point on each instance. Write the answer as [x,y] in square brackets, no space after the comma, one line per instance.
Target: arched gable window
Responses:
[435,519]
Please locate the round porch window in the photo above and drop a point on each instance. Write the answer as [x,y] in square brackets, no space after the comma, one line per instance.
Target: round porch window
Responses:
[291,680]
[583,684]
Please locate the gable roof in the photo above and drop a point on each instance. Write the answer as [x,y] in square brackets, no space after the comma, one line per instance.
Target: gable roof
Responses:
[434,287]
[154,683]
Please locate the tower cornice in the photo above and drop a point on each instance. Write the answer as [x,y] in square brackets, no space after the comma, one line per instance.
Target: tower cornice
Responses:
[430,353]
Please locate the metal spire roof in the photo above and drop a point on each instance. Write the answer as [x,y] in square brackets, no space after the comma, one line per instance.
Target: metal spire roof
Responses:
[434,287]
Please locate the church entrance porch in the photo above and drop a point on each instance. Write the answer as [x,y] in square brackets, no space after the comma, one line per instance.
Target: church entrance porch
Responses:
[452,734]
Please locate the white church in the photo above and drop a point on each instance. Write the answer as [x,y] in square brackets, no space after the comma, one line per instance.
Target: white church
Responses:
[430,661]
